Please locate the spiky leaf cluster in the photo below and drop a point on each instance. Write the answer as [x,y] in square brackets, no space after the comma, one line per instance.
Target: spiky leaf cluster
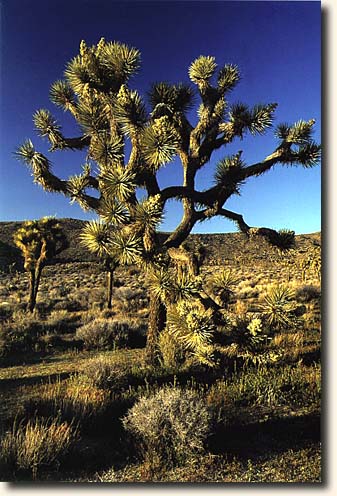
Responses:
[118,183]
[96,236]
[160,142]
[113,211]
[175,98]
[227,166]
[107,150]
[62,95]
[278,307]
[129,110]
[46,125]
[256,120]
[193,326]
[105,67]
[92,113]
[202,69]
[126,247]
[228,77]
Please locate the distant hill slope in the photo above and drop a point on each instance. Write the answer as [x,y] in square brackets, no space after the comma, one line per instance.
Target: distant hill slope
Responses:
[220,247]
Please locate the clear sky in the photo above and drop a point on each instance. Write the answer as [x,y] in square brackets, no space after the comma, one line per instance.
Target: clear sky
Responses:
[275,44]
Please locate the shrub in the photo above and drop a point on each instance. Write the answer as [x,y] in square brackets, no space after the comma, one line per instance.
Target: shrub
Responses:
[172,424]
[103,373]
[307,293]
[38,444]
[248,333]
[103,334]
[278,308]
[20,334]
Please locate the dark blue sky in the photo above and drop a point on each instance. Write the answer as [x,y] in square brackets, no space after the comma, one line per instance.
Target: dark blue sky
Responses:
[275,44]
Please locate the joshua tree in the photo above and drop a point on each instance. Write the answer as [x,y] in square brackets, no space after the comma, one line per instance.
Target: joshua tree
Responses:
[129,144]
[39,241]
[96,236]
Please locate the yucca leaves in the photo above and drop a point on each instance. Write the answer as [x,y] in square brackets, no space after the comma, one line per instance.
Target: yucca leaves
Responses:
[192,326]
[277,308]
[309,155]
[306,152]
[96,236]
[202,69]
[178,98]
[261,118]
[160,283]
[78,183]
[106,150]
[126,247]
[47,126]
[226,165]
[148,214]
[77,75]
[92,115]
[129,110]
[25,152]
[159,142]
[256,120]
[62,95]
[113,212]
[299,133]
[228,77]
[119,61]
[117,182]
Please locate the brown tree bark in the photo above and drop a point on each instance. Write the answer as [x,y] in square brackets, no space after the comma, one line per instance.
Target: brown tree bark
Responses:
[32,296]
[156,324]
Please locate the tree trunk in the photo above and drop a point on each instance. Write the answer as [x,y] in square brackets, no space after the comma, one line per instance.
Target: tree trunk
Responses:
[109,293]
[157,322]
[32,299]
[37,281]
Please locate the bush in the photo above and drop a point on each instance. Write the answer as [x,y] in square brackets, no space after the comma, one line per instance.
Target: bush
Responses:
[278,308]
[38,444]
[103,373]
[102,334]
[20,334]
[307,293]
[172,424]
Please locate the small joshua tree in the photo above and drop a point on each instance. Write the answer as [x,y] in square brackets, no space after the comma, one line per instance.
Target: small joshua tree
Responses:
[95,91]
[96,237]
[39,241]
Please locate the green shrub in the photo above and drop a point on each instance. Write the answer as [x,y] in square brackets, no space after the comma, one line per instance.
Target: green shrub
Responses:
[101,334]
[36,445]
[172,424]
[278,308]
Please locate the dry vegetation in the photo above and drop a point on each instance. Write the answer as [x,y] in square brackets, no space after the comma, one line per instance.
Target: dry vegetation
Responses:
[76,392]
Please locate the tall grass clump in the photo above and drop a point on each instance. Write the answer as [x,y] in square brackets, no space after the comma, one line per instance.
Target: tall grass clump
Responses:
[39,444]
[171,425]
[102,334]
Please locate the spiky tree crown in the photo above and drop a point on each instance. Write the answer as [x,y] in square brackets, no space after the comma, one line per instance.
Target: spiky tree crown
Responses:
[95,91]
[40,240]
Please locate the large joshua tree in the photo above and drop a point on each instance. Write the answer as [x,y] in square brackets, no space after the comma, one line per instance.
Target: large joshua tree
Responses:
[127,144]
[39,241]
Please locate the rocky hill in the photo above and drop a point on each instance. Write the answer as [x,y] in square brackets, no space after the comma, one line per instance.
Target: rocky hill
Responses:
[221,248]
